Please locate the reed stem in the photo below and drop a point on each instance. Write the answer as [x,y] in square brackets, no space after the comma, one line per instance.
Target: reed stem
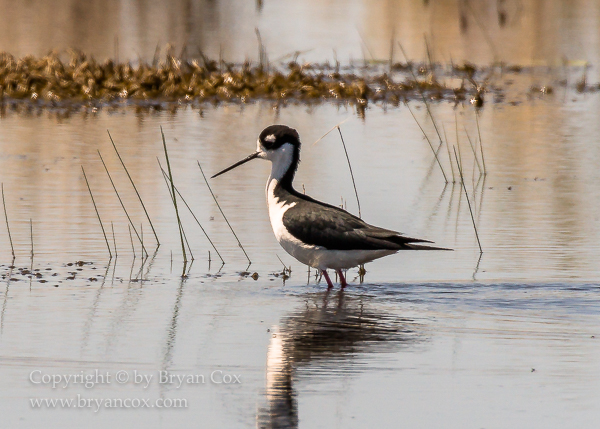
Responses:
[173,195]
[114,238]
[97,213]
[193,215]
[351,173]
[122,204]
[131,238]
[8,227]
[134,187]
[428,141]
[468,202]
[480,143]
[224,217]
[474,151]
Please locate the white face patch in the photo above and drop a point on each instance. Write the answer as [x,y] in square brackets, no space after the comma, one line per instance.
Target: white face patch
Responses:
[270,138]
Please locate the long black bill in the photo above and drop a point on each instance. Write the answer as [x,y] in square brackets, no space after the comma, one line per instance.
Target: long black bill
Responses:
[237,164]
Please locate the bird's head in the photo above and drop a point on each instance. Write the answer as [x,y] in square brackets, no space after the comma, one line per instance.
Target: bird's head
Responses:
[279,144]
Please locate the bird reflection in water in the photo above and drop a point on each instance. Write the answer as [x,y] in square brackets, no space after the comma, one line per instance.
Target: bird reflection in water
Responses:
[324,339]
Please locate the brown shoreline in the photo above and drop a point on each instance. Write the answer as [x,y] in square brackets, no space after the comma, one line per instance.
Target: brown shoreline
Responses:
[50,81]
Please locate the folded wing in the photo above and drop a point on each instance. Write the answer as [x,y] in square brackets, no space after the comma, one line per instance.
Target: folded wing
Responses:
[335,229]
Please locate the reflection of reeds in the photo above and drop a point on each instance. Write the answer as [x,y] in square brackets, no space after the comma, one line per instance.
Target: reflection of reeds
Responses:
[484,31]
[31,235]
[262,53]
[97,213]
[392,43]
[428,53]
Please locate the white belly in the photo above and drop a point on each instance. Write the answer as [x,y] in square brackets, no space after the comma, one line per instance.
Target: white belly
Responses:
[321,258]
[314,256]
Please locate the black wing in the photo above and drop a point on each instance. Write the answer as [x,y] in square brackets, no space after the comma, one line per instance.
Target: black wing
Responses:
[323,225]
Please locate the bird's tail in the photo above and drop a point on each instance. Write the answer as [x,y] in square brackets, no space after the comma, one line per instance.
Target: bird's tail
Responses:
[424,247]
[402,241]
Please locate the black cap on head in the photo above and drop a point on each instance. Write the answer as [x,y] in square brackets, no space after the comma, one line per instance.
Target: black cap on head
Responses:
[274,136]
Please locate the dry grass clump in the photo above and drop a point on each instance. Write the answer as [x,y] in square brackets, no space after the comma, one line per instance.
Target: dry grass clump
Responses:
[52,81]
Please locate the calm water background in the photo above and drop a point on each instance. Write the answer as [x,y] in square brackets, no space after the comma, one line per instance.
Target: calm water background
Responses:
[428,339]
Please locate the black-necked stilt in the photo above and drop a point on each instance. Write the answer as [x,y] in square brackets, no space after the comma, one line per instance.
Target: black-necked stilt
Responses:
[315,233]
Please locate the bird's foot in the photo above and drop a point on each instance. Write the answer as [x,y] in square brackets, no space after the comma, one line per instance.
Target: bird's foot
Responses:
[329,283]
[343,282]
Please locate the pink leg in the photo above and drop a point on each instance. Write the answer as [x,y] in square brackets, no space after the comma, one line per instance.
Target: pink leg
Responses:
[329,284]
[342,279]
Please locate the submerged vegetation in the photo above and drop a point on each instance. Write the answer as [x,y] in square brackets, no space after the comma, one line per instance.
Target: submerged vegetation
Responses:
[78,79]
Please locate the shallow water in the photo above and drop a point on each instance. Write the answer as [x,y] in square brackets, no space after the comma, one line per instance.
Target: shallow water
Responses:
[447,331]
[469,354]
[536,209]
[508,338]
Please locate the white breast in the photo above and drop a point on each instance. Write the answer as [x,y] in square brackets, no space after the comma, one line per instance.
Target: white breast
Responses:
[291,244]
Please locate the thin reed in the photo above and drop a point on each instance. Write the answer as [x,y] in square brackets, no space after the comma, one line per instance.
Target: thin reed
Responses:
[135,188]
[168,183]
[12,248]
[224,217]
[122,204]
[435,154]
[174,198]
[97,213]
[420,90]
[193,215]
[480,143]
[474,151]
[449,156]
[351,173]
[468,202]
[114,238]
[131,239]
